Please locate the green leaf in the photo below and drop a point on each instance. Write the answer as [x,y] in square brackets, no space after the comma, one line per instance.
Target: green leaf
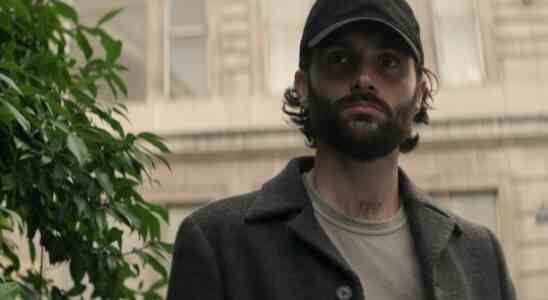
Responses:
[56,294]
[81,204]
[156,265]
[5,223]
[104,181]
[121,111]
[32,250]
[77,269]
[168,247]
[154,140]
[119,83]
[7,183]
[112,87]
[9,290]
[10,83]
[101,221]
[113,123]
[113,48]
[9,254]
[161,211]
[61,126]
[157,285]
[66,11]
[15,216]
[20,9]
[157,249]
[125,212]
[120,67]
[115,235]
[76,290]
[6,24]
[155,229]
[150,225]
[16,115]
[82,97]
[151,296]
[78,148]
[108,16]
[84,44]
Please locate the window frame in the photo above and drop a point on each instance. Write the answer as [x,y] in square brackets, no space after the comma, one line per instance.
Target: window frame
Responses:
[181,32]
[479,37]
[127,44]
[267,24]
[453,194]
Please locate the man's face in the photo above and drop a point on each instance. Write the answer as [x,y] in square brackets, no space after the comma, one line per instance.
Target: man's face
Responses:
[362,92]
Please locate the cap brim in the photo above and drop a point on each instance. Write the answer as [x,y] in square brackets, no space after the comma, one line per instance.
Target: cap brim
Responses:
[327,31]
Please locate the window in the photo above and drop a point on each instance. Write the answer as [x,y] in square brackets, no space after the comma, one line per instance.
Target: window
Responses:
[457,35]
[130,26]
[187,57]
[477,207]
[284,30]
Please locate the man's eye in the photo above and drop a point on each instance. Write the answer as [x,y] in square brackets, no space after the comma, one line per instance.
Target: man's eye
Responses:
[338,58]
[389,61]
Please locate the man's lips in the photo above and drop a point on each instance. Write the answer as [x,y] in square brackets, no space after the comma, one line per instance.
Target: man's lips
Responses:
[364,107]
[363,104]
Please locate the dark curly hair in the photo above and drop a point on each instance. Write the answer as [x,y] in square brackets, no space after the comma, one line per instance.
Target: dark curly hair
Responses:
[299,115]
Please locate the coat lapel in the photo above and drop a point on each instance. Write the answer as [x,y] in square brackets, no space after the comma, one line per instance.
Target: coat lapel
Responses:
[285,195]
[306,228]
[432,231]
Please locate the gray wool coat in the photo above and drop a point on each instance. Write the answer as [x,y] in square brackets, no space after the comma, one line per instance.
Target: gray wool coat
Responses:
[267,245]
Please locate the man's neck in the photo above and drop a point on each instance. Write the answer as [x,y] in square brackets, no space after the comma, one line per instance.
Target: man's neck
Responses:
[358,189]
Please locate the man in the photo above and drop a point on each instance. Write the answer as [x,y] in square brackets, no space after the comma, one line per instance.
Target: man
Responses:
[348,223]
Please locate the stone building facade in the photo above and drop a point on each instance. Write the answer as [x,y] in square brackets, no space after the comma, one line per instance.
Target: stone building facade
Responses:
[209,75]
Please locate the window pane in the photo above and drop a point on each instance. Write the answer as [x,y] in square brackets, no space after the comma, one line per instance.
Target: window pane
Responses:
[130,26]
[457,40]
[453,8]
[188,67]
[284,34]
[187,12]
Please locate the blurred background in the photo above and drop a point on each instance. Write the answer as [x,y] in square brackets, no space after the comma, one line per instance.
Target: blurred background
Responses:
[209,75]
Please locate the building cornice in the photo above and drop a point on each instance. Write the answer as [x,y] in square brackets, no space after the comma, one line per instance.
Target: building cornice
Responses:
[480,131]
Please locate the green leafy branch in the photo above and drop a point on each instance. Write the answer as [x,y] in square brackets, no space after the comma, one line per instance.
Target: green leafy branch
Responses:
[69,172]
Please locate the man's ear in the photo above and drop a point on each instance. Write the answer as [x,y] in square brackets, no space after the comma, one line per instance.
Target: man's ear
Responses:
[419,94]
[301,84]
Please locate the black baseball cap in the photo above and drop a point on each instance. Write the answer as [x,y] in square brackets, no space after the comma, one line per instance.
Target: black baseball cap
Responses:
[326,16]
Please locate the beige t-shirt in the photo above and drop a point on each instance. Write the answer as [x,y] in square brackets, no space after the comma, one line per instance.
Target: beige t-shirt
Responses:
[381,253]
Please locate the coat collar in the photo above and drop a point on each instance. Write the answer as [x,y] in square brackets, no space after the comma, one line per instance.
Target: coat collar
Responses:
[432,229]
[431,226]
[285,196]
[282,195]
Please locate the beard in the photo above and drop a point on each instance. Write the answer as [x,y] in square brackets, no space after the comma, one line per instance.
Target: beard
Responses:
[361,137]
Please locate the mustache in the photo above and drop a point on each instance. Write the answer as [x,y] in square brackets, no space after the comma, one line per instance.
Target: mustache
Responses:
[366,98]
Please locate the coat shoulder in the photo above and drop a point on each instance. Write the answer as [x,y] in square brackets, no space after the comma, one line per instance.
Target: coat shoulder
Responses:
[471,230]
[480,253]
[222,215]
[233,208]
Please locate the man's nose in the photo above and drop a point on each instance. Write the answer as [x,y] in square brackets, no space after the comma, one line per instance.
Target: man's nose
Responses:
[365,81]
